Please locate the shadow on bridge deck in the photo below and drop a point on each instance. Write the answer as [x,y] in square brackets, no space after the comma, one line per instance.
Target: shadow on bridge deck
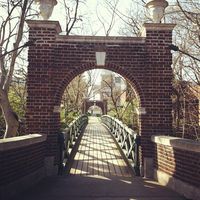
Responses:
[98,173]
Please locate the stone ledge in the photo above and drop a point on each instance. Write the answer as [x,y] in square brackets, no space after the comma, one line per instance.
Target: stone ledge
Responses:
[21,141]
[185,189]
[158,26]
[179,143]
[102,39]
[44,24]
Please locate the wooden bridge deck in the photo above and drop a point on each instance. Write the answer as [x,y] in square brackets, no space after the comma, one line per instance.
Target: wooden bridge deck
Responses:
[98,154]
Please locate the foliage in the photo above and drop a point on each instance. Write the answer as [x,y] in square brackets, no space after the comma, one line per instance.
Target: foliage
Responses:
[68,118]
[130,116]
[2,126]
[17,97]
[122,102]
[73,97]
[186,99]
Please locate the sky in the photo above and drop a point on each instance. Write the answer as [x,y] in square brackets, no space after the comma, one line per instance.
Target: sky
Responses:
[94,13]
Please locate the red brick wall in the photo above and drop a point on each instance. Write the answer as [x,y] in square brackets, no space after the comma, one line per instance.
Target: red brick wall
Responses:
[55,60]
[181,164]
[17,163]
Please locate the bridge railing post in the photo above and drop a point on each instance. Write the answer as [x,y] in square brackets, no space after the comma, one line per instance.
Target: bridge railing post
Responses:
[136,156]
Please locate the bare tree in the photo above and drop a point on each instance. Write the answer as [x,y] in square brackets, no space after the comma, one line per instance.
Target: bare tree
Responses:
[121,101]
[80,88]
[133,19]
[187,17]
[186,66]
[108,24]
[11,31]
[72,16]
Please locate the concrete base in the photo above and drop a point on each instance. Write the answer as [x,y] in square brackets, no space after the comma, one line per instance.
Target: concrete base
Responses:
[185,189]
[148,167]
[50,168]
[22,184]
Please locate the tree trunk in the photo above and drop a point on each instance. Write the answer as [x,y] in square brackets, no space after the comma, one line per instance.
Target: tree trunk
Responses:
[11,119]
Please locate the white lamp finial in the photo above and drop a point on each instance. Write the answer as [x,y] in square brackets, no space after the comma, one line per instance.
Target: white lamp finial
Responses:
[46,8]
[157,9]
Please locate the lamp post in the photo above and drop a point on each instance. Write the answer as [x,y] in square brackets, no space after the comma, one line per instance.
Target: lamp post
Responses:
[46,8]
[175,48]
[157,9]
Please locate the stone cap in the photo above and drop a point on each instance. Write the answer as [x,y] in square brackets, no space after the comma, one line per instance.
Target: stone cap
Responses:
[21,141]
[156,27]
[44,24]
[179,143]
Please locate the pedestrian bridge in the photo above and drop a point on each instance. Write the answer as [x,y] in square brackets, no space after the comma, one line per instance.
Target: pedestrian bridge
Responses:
[99,170]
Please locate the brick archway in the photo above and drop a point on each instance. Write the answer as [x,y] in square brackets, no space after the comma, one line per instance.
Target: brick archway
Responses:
[101,104]
[56,59]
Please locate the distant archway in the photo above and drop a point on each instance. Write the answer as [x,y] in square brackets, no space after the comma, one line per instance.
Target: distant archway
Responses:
[88,103]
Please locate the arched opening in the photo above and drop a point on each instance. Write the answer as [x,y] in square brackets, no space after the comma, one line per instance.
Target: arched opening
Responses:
[115,96]
[89,106]
[101,91]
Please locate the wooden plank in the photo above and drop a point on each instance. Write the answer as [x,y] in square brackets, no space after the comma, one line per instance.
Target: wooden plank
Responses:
[104,155]
[96,166]
[80,158]
[109,145]
[116,156]
[89,158]
[101,165]
[84,161]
